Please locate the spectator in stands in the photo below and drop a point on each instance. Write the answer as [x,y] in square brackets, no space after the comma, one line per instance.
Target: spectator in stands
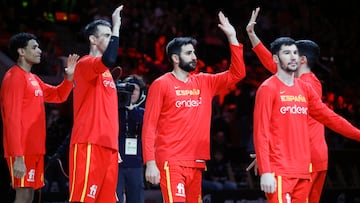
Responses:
[219,174]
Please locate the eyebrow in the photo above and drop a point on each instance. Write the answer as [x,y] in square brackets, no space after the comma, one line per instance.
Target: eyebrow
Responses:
[103,34]
[33,45]
[287,50]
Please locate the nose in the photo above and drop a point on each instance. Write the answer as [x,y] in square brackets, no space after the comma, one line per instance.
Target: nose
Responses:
[294,56]
[193,56]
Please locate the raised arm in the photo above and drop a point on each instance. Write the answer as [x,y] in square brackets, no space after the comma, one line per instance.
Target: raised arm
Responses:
[116,21]
[254,39]
[70,66]
[110,54]
[228,29]
[258,47]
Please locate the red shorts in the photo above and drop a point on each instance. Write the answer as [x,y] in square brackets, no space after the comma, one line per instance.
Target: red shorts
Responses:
[294,190]
[34,176]
[316,185]
[180,183]
[93,173]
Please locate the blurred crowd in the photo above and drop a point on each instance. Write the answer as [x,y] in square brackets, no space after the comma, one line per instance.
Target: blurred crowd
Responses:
[146,28]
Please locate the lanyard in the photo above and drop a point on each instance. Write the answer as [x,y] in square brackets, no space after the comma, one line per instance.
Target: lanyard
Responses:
[127,133]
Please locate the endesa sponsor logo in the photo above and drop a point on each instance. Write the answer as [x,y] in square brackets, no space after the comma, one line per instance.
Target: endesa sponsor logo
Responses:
[108,83]
[107,80]
[38,93]
[294,109]
[188,103]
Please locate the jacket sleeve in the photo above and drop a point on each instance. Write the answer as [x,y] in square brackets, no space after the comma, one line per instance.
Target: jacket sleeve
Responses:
[151,116]
[262,117]
[265,57]
[236,72]
[323,114]
[56,94]
[11,106]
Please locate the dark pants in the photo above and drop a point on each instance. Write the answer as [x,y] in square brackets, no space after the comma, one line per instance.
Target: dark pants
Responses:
[7,194]
[130,183]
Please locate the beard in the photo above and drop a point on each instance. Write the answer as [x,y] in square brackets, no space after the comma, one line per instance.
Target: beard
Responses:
[187,66]
[287,68]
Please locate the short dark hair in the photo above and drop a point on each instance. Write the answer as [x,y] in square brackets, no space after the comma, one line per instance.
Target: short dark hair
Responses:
[92,28]
[275,46]
[309,49]
[20,40]
[174,46]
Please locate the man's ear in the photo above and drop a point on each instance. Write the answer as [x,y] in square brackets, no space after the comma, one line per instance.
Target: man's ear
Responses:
[302,59]
[92,39]
[276,59]
[21,51]
[175,58]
